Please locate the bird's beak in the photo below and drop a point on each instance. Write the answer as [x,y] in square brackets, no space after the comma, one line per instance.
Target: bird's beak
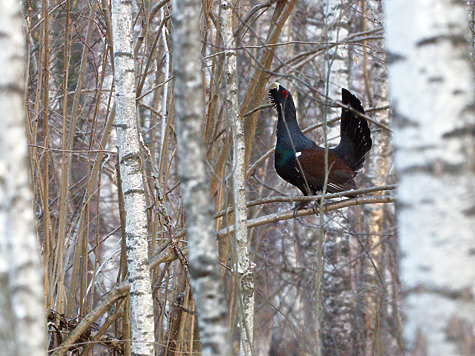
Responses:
[275,86]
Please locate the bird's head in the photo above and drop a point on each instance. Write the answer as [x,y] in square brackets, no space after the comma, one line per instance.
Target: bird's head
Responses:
[281,99]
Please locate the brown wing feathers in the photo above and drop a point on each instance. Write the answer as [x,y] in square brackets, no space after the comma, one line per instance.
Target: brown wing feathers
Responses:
[312,163]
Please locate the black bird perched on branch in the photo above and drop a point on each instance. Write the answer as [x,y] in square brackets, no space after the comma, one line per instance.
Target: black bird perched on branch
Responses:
[299,160]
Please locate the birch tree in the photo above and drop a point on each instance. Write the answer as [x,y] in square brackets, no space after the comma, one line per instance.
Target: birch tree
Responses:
[432,88]
[70,113]
[376,278]
[338,334]
[22,313]
[242,265]
[141,306]
[203,254]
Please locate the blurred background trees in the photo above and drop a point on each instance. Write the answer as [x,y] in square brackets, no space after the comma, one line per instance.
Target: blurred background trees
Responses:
[324,285]
[314,48]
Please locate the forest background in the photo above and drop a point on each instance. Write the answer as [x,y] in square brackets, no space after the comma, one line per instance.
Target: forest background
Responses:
[150,136]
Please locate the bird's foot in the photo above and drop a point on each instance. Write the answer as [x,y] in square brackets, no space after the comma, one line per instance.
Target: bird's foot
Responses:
[315,208]
[299,205]
[302,205]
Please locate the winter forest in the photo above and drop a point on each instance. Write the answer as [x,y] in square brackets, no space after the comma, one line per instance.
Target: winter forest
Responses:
[140,210]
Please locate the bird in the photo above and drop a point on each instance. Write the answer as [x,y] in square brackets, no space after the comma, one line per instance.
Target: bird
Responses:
[301,162]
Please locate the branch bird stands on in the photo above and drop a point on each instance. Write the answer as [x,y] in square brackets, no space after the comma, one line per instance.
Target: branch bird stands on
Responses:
[299,161]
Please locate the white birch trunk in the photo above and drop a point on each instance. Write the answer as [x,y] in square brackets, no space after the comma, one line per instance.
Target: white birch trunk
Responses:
[338,335]
[337,58]
[141,306]
[243,267]
[195,182]
[378,164]
[432,89]
[22,313]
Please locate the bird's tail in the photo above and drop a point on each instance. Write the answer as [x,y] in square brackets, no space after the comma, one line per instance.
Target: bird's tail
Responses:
[355,133]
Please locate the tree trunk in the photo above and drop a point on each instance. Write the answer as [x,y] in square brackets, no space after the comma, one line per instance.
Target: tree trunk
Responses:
[22,313]
[243,267]
[141,306]
[260,75]
[338,334]
[376,336]
[432,90]
[203,254]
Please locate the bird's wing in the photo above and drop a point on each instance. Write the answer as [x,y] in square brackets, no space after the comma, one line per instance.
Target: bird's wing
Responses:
[311,162]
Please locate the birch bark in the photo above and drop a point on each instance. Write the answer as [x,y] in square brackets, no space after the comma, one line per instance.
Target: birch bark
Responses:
[22,312]
[195,183]
[141,306]
[432,89]
[243,266]
[378,170]
[338,334]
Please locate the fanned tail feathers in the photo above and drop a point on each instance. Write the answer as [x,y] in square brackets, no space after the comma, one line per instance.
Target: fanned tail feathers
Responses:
[355,134]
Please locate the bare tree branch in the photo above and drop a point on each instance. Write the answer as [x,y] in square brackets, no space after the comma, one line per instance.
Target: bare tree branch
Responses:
[290,214]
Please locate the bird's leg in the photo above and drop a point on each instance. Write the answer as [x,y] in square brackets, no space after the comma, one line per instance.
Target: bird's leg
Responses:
[302,205]
[299,205]
[315,208]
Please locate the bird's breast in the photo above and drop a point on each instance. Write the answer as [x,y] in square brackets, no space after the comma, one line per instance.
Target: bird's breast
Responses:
[285,165]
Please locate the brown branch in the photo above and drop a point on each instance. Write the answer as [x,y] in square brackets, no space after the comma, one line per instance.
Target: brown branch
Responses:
[117,292]
[293,199]
[162,208]
[260,76]
[250,14]
[263,220]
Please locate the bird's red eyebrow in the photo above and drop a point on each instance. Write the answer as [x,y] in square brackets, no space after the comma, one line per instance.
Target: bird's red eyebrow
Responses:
[285,93]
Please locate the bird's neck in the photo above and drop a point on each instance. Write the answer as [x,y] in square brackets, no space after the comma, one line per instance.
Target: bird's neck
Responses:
[289,135]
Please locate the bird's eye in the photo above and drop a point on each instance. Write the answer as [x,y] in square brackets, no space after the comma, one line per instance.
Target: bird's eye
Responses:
[286,93]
